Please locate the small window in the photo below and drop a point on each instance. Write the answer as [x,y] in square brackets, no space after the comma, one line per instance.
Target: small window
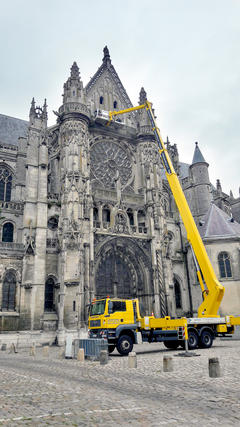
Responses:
[115,104]
[7,232]
[74,92]
[53,223]
[106,214]
[224,265]
[95,214]
[74,305]
[130,216]
[101,100]
[177,291]
[49,295]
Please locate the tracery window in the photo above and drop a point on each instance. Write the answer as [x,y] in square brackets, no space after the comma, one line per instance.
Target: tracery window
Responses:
[9,292]
[7,232]
[5,184]
[49,295]
[224,265]
[177,292]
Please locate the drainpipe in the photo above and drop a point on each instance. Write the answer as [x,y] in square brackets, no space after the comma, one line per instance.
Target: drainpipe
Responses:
[185,251]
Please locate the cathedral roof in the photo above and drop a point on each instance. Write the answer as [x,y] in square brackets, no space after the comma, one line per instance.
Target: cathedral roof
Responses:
[198,157]
[218,224]
[108,68]
[11,129]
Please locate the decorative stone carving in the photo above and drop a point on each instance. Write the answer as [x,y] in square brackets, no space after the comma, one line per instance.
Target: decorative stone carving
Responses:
[108,157]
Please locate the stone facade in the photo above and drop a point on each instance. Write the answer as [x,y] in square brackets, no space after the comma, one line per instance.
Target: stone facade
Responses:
[87,212]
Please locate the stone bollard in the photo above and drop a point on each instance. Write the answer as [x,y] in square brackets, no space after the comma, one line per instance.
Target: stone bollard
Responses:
[12,348]
[214,367]
[4,347]
[103,357]
[80,355]
[132,360]
[62,353]
[32,351]
[167,364]
[46,351]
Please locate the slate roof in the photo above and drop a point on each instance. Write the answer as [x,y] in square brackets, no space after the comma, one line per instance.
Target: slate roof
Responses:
[184,170]
[11,129]
[197,156]
[217,224]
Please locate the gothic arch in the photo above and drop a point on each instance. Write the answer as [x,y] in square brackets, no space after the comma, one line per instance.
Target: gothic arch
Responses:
[9,288]
[123,269]
[6,182]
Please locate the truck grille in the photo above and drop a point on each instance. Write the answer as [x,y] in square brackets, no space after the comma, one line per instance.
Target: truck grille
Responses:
[95,323]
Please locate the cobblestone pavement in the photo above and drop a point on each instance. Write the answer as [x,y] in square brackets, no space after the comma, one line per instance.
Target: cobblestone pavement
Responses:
[38,390]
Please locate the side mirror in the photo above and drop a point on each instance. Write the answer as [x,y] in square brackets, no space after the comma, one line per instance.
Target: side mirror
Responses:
[110,307]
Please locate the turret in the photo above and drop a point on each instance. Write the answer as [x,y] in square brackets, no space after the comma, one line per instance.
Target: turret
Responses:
[74,98]
[201,183]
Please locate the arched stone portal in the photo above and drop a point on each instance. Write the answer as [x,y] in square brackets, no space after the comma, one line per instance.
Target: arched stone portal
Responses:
[123,270]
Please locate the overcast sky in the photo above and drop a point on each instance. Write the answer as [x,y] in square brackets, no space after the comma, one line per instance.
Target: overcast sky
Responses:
[184,52]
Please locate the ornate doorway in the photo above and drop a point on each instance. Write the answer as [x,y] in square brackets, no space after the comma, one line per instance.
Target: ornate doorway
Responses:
[123,270]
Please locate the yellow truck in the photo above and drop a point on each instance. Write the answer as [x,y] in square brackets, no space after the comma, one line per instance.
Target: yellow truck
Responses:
[120,321]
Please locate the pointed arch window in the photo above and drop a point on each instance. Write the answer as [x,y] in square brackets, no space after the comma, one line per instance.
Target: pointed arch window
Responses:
[9,292]
[101,100]
[49,295]
[115,104]
[7,232]
[5,184]
[177,294]
[224,264]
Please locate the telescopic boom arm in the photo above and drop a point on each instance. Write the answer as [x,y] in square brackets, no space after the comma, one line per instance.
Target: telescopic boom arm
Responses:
[212,290]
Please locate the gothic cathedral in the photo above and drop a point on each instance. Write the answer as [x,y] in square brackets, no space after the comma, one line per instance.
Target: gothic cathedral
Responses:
[86,212]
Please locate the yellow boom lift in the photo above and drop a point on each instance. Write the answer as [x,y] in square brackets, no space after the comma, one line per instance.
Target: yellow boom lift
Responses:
[120,321]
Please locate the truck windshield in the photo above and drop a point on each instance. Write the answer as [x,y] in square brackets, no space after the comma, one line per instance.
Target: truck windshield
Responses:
[97,307]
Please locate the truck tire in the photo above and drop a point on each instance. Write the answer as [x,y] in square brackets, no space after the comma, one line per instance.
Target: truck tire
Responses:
[206,339]
[124,345]
[172,345]
[192,339]
[111,348]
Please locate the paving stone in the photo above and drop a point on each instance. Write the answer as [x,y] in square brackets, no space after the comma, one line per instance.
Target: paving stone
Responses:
[52,391]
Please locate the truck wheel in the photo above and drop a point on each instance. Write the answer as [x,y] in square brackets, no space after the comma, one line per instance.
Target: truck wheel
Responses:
[206,339]
[124,345]
[192,339]
[173,345]
[111,348]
